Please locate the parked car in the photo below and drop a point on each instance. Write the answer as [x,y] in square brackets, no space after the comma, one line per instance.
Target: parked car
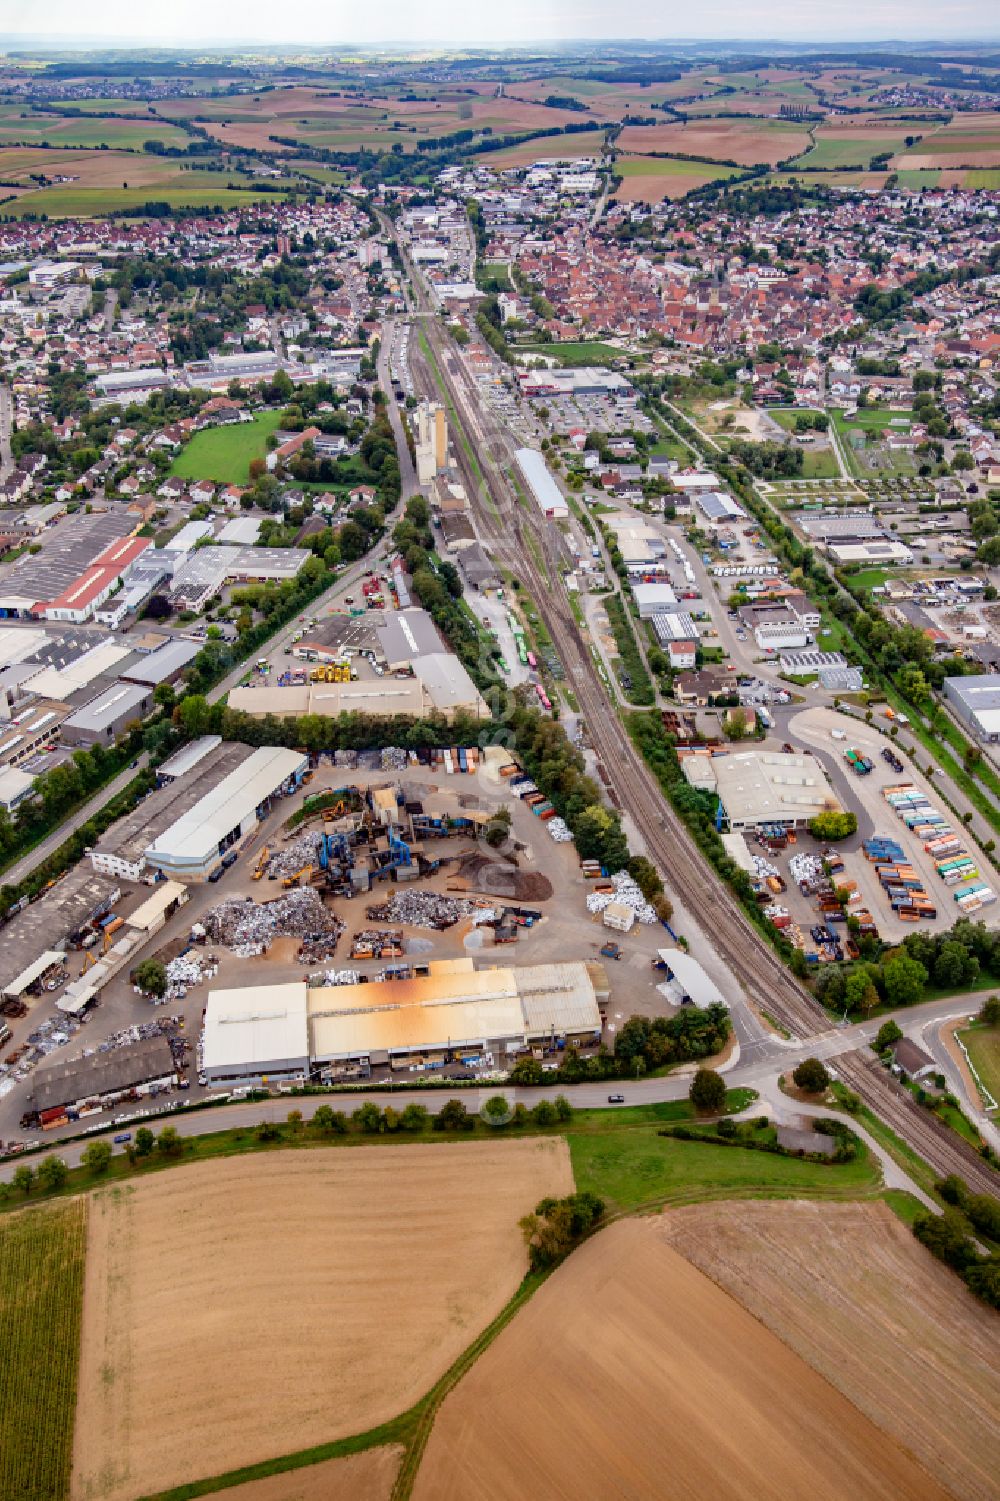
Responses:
[616,1099]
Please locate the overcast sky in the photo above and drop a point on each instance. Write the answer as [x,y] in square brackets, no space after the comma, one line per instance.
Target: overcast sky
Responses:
[454,22]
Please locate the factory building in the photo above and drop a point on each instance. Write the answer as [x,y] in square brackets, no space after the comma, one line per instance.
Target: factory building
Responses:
[544,491]
[192,846]
[976,700]
[430,440]
[762,787]
[106,716]
[450,1012]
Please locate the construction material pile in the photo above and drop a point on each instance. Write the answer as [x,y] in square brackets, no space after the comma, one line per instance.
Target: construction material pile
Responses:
[377,943]
[625,891]
[370,760]
[394,758]
[249,929]
[348,759]
[497,878]
[183,972]
[421,909]
[291,857]
[559,831]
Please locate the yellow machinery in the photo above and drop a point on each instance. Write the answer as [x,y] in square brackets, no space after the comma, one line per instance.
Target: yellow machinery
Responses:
[261,865]
[291,881]
[337,811]
[331,672]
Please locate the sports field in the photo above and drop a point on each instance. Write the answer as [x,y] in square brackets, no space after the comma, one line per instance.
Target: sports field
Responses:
[856,1296]
[224,454]
[244,1308]
[983,1045]
[586,352]
[631,1374]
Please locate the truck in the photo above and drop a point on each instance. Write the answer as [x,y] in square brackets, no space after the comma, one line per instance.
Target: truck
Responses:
[610,950]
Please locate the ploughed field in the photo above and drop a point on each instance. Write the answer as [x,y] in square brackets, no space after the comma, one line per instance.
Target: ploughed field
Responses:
[244,1308]
[853,1293]
[631,1374]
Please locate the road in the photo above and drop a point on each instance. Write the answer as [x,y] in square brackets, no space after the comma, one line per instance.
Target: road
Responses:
[756,1067]
[6,429]
[23,867]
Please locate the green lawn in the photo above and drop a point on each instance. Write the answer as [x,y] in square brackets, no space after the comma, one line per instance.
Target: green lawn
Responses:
[589,352]
[869,578]
[224,453]
[630,1168]
[820,463]
[871,419]
[983,1044]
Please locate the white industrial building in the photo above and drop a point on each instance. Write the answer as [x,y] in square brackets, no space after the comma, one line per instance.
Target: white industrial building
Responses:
[282,1031]
[686,983]
[544,491]
[191,848]
[651,599]
[762,787]
[976,700]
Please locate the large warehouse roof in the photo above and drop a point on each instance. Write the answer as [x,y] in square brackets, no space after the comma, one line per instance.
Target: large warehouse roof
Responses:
[408,634]
[757,787]
[256,1028]
[121,699]
[102,1073]
[381,696]
[547,494]
[191,840]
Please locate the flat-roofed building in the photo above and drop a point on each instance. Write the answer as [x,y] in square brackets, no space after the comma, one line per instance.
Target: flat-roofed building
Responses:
[139,1066]
[191,847]
[256,1034]
[544,491]
[976,700]
[106,716]
[407,634]
[762,787]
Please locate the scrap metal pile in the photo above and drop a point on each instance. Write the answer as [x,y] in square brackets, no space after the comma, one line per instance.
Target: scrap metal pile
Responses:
[625,891]
[184,971]
[248,929]
[559,831]
[421,909]
[291,857]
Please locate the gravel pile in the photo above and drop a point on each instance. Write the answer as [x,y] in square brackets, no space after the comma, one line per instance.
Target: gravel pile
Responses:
[627,893]
[249,929]
[421,909]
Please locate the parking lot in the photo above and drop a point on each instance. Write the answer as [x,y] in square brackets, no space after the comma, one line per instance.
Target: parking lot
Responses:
[862,795]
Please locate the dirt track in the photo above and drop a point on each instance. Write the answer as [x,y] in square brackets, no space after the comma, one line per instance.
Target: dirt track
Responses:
[851,1290]
[250,1307]
[631,1375]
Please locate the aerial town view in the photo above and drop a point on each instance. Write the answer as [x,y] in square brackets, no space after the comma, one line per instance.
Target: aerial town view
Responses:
[500,753]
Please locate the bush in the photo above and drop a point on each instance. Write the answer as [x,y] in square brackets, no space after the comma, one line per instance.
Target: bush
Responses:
[831,826]
[811,1076]
[888,1033]
[557,1225]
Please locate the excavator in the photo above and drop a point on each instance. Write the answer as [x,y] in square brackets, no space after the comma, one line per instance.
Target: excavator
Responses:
[296,880]
[261,865]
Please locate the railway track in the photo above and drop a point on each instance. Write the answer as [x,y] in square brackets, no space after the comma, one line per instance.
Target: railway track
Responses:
[507,527]
[935,1142]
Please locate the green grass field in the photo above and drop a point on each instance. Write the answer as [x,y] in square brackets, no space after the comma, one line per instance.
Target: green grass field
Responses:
[590,352]
[869,578]
[853,151]
[223,454]
[42,1255]
[820,463]
[630,1168]
[983,1044]
[94,203]
[63,130]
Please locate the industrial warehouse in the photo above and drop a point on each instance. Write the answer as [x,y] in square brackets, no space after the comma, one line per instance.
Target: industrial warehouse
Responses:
[190,849]
[756,788]
[447,1012]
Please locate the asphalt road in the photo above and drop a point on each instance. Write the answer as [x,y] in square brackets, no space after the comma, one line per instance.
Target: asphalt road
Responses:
[755,1066]
[27,863]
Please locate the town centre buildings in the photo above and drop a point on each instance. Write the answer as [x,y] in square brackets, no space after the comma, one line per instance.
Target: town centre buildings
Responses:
[270,1032]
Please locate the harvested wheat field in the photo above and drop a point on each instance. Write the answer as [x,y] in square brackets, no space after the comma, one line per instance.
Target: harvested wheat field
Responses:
[358,1477]
[250,1307]
[631,1375]
[745,142]
[851,1290]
